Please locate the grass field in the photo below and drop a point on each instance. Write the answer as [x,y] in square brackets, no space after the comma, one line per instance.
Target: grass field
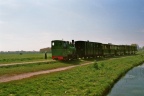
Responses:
[94,80]
[14,58]
[19,69]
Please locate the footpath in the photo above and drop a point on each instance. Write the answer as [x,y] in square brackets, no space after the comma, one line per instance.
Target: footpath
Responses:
[27,75]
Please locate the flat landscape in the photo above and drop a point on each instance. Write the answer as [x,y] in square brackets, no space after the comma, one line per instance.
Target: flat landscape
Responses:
[94,79]
[69,47]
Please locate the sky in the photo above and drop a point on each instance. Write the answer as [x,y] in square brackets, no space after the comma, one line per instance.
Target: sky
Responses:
[32,24]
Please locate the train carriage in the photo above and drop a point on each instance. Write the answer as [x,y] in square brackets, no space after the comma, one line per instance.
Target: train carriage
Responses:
[122,49]
[133,49]
[117,50]
[65,50]
[106,49]
[89,49]
[81,49]
[97,49]
[127,49]
[113,49]
[86,49]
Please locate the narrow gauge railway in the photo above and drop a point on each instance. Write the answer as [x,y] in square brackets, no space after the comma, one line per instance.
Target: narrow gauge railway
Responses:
[65,50]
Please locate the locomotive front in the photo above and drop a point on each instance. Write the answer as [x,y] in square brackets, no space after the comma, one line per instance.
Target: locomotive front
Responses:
[62,50]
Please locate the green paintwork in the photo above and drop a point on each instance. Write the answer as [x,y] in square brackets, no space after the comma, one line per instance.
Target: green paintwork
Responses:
[62,48]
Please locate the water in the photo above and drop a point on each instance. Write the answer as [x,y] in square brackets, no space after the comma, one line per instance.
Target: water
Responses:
[132,84]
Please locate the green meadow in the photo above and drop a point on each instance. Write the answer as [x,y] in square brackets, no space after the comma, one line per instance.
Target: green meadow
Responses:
[25,57]
[90,80]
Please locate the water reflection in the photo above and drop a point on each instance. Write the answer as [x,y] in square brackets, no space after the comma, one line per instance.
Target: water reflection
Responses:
[132,84]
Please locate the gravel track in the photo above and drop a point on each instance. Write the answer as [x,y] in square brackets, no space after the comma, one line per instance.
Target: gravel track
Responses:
[27,75]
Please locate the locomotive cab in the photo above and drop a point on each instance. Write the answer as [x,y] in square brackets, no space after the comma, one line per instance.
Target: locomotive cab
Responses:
[62,50]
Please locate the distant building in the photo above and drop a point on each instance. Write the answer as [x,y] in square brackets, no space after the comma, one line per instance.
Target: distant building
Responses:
[48,49]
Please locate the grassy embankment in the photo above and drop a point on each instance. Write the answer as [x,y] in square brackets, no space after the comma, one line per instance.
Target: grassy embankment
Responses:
[25,57]
[94,80]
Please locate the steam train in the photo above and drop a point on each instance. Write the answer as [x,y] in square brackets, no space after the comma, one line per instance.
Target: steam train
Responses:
[65,50]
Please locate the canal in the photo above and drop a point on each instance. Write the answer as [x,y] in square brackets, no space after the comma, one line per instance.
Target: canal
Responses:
[132,84]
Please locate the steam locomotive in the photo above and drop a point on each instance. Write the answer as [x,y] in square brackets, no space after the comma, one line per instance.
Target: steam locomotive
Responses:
[65,50]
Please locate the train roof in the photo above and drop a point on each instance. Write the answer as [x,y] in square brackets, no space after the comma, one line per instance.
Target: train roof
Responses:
[87,41]
[59,40]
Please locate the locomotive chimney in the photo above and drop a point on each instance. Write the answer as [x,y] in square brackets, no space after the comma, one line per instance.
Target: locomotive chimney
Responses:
[72,41]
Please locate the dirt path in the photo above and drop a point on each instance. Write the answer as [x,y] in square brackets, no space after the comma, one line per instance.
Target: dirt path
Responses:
[23,63]
[27,75]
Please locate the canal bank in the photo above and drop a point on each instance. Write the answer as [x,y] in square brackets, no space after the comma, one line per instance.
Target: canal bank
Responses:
[131,84]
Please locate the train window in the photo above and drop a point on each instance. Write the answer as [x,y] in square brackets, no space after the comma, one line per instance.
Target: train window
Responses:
[64,44]
[59,44]
[52,43]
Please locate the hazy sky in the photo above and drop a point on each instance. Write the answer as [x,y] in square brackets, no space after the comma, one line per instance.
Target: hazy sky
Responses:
[33,24]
